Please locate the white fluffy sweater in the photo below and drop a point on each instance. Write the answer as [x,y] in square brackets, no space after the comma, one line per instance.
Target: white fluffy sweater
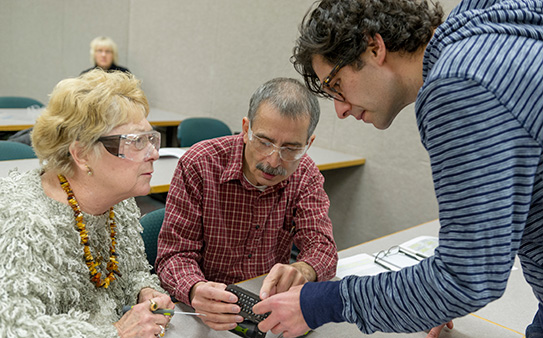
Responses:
[45,287]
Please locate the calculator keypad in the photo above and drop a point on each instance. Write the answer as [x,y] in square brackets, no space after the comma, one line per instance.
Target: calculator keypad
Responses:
[246,301]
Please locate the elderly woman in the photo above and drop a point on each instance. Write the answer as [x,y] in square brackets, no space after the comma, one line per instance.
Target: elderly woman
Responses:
[70,245]
[103,54]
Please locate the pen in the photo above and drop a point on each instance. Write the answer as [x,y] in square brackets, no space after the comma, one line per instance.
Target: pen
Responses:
[166,312]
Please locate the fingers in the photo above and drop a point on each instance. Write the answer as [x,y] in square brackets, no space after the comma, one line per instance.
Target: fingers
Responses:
[214,291]
[286,315]
[141,322]
[270,282]
[280,279]
[217,304]
[262,307]
[436,331]
[163,301]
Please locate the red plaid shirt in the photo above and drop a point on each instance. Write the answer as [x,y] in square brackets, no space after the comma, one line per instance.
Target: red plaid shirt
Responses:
[218,227]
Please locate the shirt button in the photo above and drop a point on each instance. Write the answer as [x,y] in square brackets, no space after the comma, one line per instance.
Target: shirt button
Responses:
[257,227]
[250,255]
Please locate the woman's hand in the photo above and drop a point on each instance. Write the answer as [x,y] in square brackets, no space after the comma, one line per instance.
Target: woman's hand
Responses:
[140,321]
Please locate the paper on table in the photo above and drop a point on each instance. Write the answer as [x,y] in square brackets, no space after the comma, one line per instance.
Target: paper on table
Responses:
[422,246]
[360,265]
[406,254]
[171,151]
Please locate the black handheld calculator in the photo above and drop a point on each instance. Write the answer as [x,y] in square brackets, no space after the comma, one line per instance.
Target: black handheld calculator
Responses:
[246,301]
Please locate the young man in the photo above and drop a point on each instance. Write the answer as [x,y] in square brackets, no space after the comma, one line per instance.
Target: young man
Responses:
[477,84]
[237,203]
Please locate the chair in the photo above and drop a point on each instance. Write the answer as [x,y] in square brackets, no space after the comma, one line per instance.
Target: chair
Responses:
[18,102]
[196,129]
[15,151]
[152,222]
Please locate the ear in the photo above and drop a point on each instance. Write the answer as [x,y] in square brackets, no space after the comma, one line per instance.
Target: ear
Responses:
[311,139]
[377,49]
[79,156]
[245,129]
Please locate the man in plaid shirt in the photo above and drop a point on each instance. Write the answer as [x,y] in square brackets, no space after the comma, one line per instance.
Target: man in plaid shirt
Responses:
[237,204]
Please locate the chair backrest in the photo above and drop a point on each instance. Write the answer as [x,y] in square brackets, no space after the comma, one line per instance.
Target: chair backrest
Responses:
[18,102]
[15,151]
[196,129]
[152,222]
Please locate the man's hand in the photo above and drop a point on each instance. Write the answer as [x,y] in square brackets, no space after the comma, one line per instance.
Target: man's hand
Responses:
[286,315]
[211,299]
[436,331]
[283,276]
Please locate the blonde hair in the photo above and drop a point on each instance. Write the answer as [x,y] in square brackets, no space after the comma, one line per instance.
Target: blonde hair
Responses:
[83,109]
[103,41]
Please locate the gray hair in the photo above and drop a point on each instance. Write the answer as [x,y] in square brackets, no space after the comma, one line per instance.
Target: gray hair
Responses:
[290,97]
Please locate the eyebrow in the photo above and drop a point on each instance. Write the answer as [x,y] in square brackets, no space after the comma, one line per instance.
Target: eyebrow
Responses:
[295,144]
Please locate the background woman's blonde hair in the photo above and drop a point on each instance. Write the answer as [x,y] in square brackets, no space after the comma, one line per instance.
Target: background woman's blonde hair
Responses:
[103,41]
[83,109]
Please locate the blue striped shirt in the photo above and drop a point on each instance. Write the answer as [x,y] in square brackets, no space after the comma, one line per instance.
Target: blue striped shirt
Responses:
[480,117]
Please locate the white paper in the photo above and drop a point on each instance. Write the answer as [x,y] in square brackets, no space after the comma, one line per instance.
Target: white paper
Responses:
[407,254]
[359,265]
[171,151]
[422,246]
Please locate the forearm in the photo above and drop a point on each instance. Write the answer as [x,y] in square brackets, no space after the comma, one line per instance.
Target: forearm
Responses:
[313,231]
[321,303]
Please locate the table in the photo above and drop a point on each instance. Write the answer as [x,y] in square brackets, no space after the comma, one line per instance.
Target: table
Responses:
[504,318]
[165,166]
[15,119]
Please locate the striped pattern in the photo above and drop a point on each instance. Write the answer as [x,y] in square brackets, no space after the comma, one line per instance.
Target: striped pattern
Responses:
[480,118]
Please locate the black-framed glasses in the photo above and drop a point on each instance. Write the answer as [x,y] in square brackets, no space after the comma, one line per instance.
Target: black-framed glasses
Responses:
[331,91]
[267,148]
[135,147]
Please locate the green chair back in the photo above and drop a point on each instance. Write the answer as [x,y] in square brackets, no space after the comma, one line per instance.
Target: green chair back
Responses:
[15,151]
[152,222]
[196,129]
[18,102]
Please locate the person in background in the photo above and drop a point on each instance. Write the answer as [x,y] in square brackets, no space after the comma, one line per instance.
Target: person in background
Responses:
[477,84]
[104,55]
[72,254]
[238,203]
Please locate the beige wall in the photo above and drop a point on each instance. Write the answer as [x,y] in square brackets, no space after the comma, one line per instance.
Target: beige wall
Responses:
[205,58]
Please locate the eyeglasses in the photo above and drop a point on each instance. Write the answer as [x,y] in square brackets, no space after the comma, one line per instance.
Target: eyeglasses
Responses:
[267,148]
[134,147]
[396,257]
[330,91]
[379,257]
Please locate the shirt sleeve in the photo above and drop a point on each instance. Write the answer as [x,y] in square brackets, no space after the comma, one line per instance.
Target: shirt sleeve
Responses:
[181,237]
[484,165]
[313,228]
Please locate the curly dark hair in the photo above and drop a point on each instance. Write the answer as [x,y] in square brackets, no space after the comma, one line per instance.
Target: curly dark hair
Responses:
[338,30]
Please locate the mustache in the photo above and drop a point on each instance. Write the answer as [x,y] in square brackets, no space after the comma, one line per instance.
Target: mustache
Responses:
[279,171]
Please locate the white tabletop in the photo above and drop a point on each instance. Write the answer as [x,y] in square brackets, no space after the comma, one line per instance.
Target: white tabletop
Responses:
[504,318]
